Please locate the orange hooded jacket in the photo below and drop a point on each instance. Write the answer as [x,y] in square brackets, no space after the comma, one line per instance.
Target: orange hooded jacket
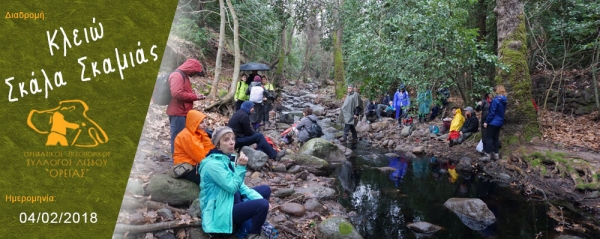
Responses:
[192,144]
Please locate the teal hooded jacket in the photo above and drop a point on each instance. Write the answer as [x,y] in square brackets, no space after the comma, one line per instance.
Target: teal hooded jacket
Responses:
[220,180]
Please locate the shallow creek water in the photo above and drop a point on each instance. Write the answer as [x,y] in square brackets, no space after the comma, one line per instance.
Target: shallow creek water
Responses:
[382,204]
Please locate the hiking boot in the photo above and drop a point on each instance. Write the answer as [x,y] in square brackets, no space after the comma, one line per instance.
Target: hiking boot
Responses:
[486,157]
[451,143]
[280,155]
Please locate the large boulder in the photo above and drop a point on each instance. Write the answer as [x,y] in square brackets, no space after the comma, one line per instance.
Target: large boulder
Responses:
[377,126]
[312,164]
[317,192]
[256,159]
[166,189]
[406,131]
[473,212]
[324,149]
[336,228]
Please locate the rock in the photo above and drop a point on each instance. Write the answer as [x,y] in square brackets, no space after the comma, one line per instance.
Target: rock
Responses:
[363,127]
[347,151]
[423,227]
[165,235]
[594,194]
[293,209]
[330,82]
[387,169]
[377,126]
[194,209]
[442,137]
[280,168]
[418,150]
[255,175]
[379,136]
[312,205]
[279,218]
[464,165]
[567,237]
[302,175]
[135,187]
[503,176]
[166,214]
[291,82]
[256,159]
[323,149]
[294,169]
[284,192]
[197,232]
[313,164]
[336,227]
[166,189]
[317,192]
[406,131]
[392,155]
[473,212]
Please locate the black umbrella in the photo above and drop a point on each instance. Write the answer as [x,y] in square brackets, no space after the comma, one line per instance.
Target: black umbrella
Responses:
[254,66]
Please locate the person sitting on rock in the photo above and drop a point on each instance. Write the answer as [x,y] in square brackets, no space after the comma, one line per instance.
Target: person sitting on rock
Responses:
[470,127]
[192,144]
[372,111]
[390,111]
[225,200]
[456,124]
[303,128]
[245,136]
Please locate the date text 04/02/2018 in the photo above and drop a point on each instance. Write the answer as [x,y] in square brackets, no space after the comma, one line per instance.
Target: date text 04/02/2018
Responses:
[58,217]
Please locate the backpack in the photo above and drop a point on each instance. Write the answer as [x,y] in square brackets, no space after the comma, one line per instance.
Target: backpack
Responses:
[162,89]
[315,130]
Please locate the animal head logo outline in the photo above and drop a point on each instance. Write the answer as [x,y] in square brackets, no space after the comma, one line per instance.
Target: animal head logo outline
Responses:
[61,123]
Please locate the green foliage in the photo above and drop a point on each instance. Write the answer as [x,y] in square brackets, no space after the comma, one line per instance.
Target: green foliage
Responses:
[564,28]
[422,44]
[187,29]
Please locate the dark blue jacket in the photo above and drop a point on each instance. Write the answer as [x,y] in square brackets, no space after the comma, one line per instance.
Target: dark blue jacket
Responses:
[495,116]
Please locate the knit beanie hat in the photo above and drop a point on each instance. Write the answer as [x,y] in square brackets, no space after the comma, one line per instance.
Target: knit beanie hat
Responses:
[218,133]
[257,78]
[247,105]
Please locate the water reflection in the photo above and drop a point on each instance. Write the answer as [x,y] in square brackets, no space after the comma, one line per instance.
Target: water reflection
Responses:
[384,203]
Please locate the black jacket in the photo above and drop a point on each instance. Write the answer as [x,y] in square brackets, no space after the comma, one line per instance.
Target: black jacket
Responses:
[240,124]
[485,109]
[471,125]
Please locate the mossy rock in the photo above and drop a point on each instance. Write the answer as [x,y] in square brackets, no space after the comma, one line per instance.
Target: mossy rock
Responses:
[336,228]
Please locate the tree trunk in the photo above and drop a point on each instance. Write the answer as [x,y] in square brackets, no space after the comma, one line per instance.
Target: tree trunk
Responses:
[481,20]
[338,59]
[227,99]
[282,50]
[213,90]
[595,60]
[512,52]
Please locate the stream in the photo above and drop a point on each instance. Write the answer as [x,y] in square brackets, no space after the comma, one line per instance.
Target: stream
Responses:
[381,204]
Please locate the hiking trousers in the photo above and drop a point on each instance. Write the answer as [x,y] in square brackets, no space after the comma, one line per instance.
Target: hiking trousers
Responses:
[493,139]
[350,127]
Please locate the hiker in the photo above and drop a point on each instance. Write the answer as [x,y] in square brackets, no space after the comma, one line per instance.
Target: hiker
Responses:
[493,123]
[240,92]
[361,104]
[222,191]
[257,96]
[192,144]
[383,105]
[245,136]
[267,104]
[372,111]
[390,110]
[444,95]
[351,109]
[435,110]
[401,103]
[470,127]
[484,107]
[250,78]
[183,96]
[455,125]
[304,127]
[424,100]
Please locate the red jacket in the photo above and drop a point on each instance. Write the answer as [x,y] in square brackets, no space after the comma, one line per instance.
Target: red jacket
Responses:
[181,89]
